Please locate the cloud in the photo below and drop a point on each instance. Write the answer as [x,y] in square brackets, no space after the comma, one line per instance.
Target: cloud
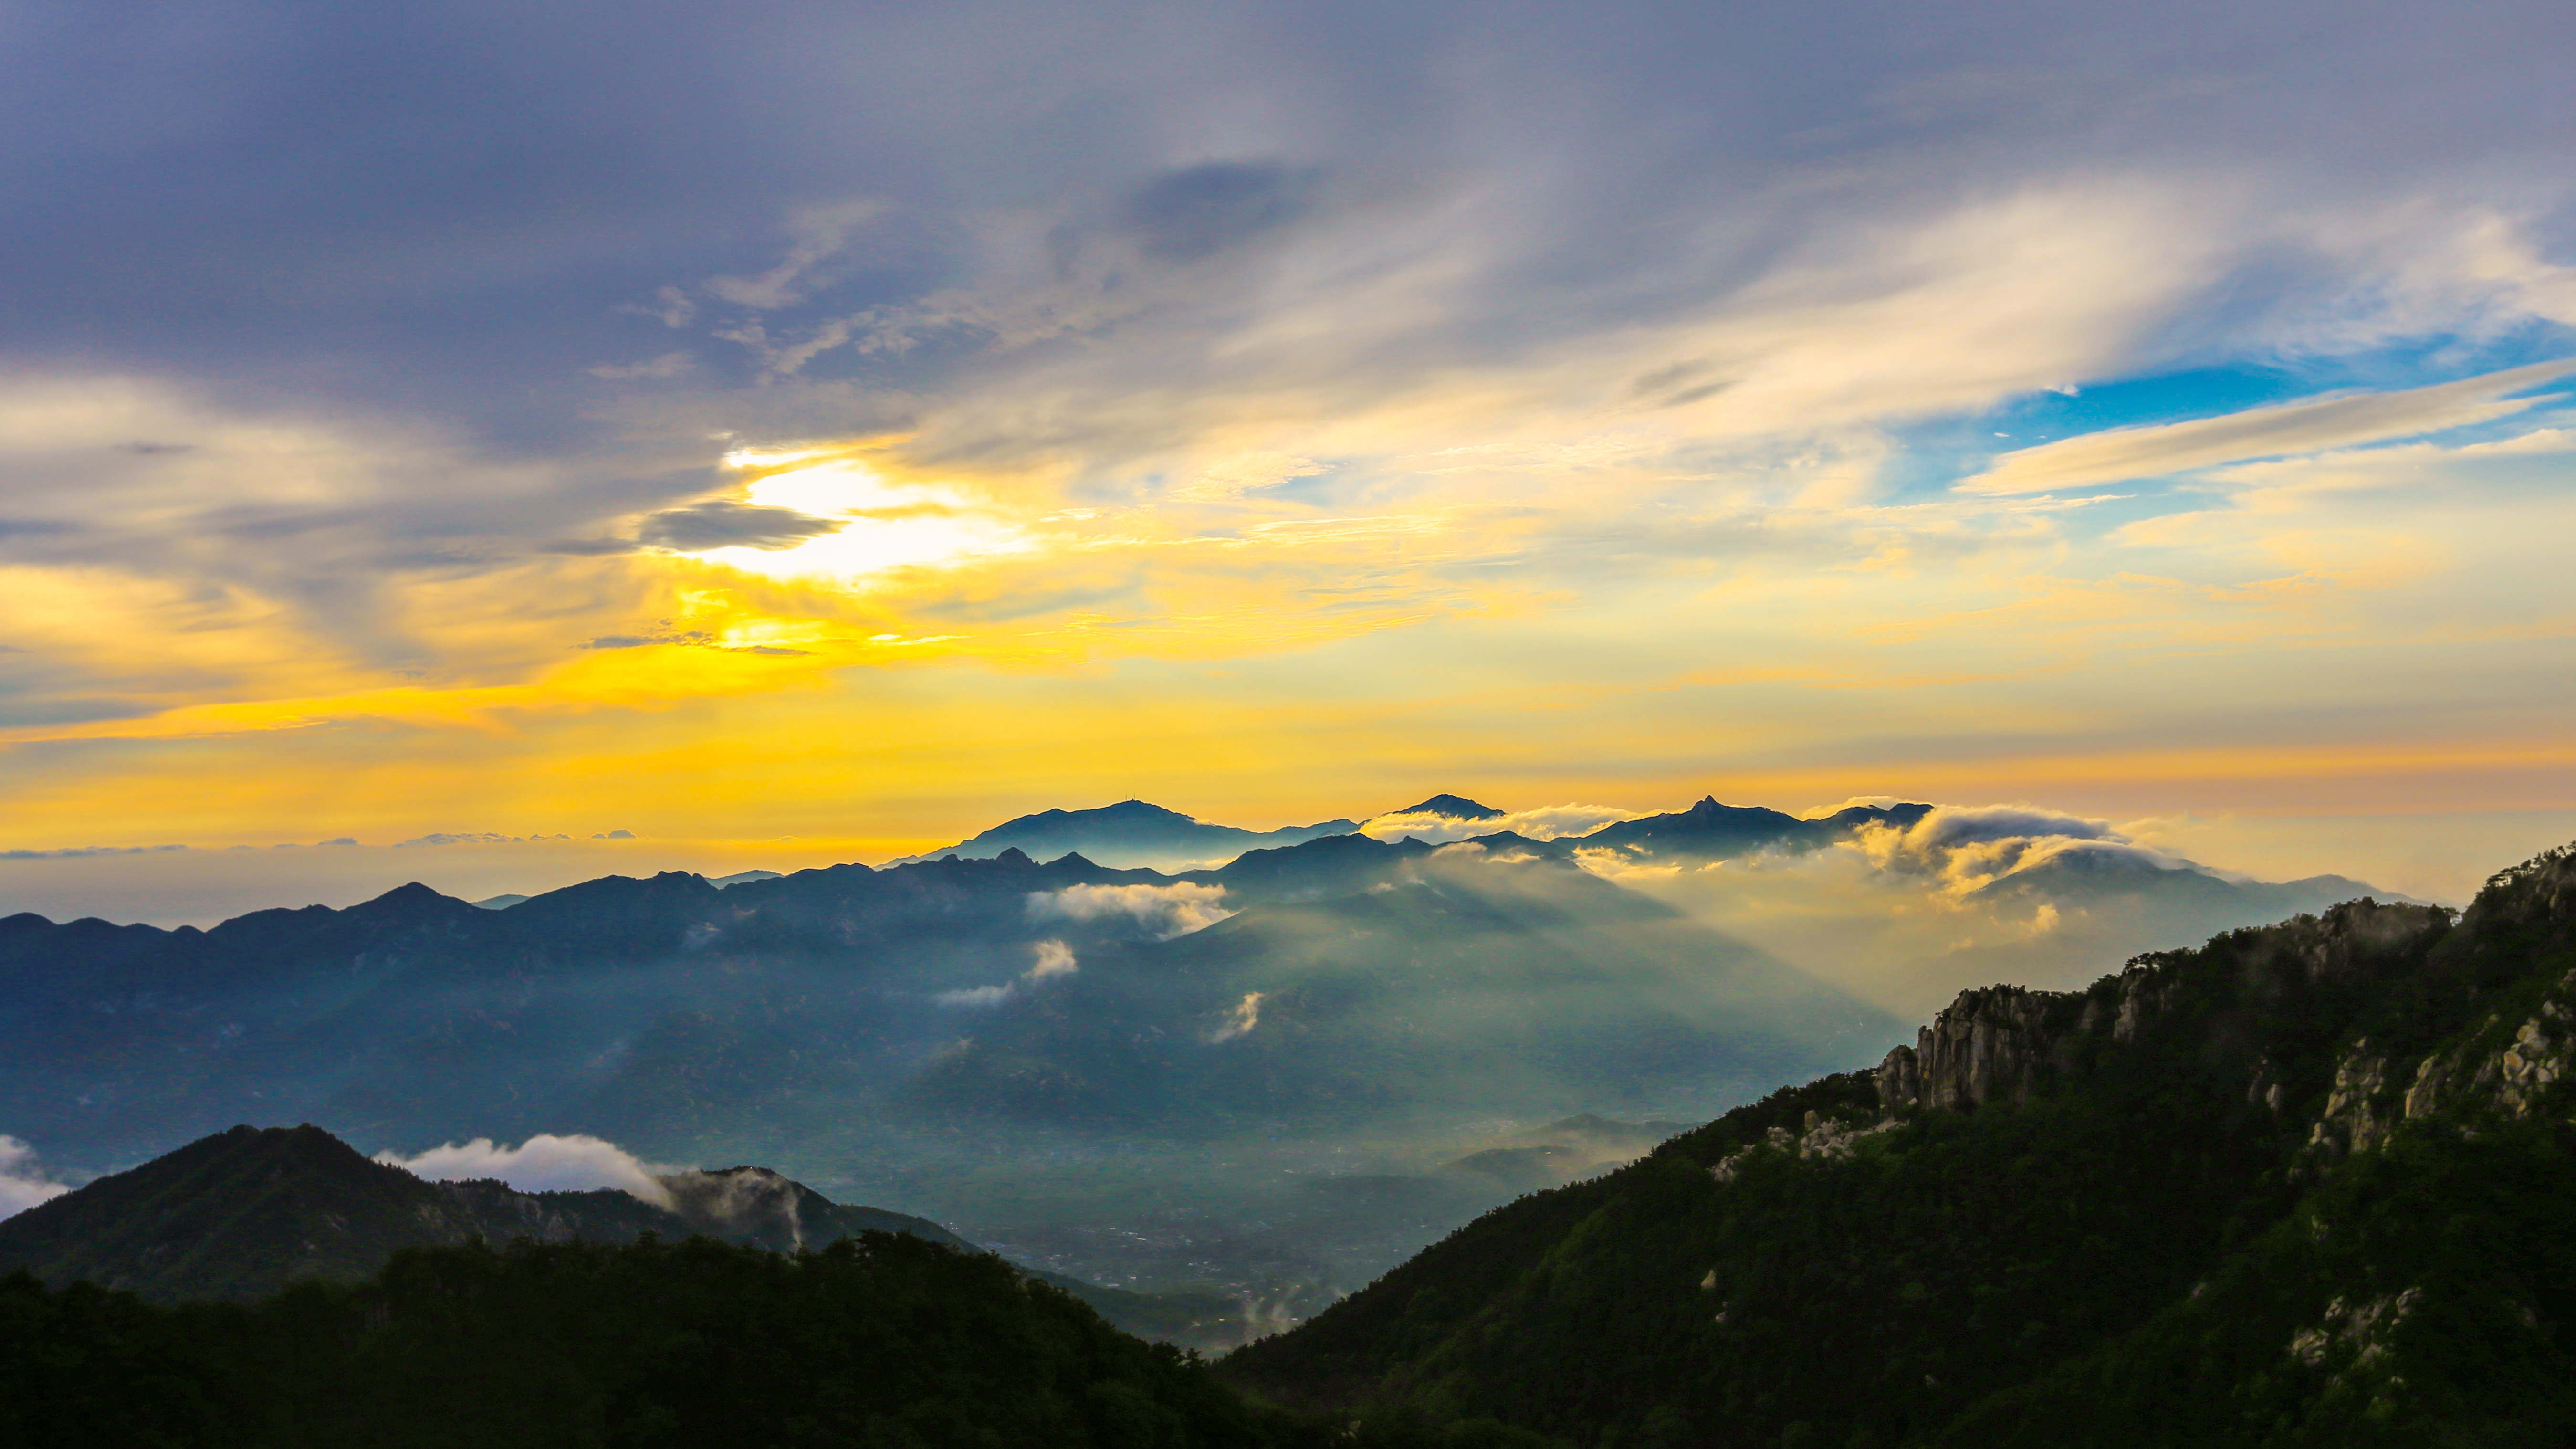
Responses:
[1969,847]
[819,234]
[1619,362]
[1197,211]
[483,838]
[1052,959]
[731,525]
[978,996]
[1548,822]
[2119,454]
[544,1163]
[1240,1018]
[1901,917]
[22,1186]
[669,364]
[84,852]
[1163,911]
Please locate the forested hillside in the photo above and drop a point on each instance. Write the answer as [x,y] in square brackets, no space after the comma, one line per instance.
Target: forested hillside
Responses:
[885,1340]
[2308,1184]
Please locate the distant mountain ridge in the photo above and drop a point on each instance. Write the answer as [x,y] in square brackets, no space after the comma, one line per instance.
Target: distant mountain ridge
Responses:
[1711,831]
[1130,831]
[673,1015]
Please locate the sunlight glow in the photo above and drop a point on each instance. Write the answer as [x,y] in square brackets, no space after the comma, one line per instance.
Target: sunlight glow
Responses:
[887,525]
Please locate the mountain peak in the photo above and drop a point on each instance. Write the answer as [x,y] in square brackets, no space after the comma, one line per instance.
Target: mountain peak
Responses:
[1451,807]
[409,898]
[1129,833]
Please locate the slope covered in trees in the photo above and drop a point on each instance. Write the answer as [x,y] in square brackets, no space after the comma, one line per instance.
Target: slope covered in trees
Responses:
[2307,1184]
[883,1340]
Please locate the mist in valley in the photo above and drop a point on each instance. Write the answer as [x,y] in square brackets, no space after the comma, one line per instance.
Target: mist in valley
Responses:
[1271,1080]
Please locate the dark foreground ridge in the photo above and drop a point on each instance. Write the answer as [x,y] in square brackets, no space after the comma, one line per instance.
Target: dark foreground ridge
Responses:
[2306,1185]
[880,1340]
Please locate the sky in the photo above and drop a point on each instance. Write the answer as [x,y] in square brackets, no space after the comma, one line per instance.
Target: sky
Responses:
[791,433]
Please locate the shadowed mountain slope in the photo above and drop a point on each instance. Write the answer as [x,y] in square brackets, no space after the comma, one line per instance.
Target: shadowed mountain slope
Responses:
[2305,1185]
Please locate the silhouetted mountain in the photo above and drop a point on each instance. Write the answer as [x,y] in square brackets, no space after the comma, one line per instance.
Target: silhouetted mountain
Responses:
[1710,831]
[1130,832]
[1451,807]
[742,877]
[2305,1185]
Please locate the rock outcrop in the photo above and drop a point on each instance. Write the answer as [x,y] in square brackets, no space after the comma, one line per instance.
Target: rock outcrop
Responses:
[2006,1043]
[1988,1044]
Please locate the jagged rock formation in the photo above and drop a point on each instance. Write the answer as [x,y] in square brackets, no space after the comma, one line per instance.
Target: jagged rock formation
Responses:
[2006,1042]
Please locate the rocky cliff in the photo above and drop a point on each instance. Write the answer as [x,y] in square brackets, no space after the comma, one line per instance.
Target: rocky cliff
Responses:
[2007,1042]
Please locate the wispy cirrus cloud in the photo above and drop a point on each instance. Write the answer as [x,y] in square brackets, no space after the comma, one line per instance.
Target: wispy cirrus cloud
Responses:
[2121,454]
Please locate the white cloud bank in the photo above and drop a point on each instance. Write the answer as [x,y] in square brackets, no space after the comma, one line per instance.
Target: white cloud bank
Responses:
[544,1163]
[22,1186]
[1900,917]
[1165,910]
[1967,847]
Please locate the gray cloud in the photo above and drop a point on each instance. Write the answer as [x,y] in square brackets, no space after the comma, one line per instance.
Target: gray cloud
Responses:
[1200,210]
[721,524]
[22,1185]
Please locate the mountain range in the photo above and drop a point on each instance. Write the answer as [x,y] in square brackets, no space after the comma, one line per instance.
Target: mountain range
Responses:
[2304,1185]
[1258,1079]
